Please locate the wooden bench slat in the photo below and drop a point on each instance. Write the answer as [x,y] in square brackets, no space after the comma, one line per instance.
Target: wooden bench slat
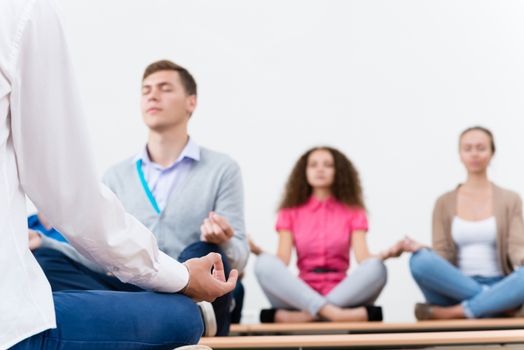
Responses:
[367,340]
[374,327]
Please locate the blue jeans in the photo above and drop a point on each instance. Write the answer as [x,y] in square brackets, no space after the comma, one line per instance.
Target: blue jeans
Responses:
[101,320]
[238,296]
[222,305]
[445,285]
[66,274]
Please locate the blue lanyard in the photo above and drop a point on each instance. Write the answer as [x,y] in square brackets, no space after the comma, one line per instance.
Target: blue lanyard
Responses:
[146,187]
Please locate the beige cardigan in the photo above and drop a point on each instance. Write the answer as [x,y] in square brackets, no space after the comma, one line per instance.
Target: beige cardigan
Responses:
[510,227]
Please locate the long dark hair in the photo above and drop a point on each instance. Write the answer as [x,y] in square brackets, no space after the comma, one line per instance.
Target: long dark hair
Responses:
[346,186]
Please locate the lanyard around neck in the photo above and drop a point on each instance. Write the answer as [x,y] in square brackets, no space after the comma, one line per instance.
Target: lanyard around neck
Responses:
[146,187]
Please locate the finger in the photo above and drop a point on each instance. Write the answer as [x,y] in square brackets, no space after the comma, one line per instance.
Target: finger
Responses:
[203,229]
[207,238]
[253,247]
[231,282]
[217,264]
[223,223]
[213,238]
[214,260]
[33,244]
[202,234]
[43,221]
[219,275]
[216,228]
[219,237]
[229,232]
[206,234]
[34,240]
[208,226]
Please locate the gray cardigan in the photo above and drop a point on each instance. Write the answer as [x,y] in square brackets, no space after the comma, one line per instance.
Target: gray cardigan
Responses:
[214,183]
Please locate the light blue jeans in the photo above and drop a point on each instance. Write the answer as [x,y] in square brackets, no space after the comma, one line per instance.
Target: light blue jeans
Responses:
[445,285]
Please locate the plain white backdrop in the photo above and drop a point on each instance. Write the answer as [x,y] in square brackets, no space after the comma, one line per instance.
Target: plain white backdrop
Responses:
[390,83]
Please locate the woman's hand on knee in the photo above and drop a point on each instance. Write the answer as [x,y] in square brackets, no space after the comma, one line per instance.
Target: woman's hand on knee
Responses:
[394,251]
[412,246]
[253,247]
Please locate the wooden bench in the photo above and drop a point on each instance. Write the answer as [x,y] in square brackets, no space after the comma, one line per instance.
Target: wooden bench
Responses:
[370,341]
[376,327]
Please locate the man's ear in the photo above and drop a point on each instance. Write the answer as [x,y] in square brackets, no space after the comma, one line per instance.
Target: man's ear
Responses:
[191,102]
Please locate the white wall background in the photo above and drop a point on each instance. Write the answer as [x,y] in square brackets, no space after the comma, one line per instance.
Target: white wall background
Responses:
[390,83]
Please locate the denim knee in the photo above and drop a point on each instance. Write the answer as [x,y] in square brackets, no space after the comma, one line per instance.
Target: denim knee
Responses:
[421,263]
[200,249]
[187,324]
[519,273]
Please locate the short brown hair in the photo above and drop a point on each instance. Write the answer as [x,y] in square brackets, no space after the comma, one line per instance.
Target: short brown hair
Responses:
[346,186]
[187,79]
[484,130]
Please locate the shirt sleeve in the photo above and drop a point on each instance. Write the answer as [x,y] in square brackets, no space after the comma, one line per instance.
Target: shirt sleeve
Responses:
[230,204]
[284,220]
[442,243]
[516,233]
[56,167]
[359,221]
[70,252]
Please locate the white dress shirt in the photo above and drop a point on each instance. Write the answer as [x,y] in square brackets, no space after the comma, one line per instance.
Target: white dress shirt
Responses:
[45,153]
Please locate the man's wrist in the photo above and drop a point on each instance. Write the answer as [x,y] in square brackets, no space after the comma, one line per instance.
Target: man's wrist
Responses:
[184,290]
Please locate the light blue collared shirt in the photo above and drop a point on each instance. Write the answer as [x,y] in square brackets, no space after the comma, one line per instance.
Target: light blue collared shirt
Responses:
[163,180]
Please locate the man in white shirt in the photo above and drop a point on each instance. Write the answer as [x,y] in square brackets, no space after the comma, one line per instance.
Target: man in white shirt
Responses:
[45,153]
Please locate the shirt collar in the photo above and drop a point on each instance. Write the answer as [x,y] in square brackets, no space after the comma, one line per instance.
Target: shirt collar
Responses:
[190,151]
[314,203]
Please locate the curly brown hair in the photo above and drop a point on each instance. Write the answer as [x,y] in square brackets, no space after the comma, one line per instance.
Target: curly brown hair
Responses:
[346,186]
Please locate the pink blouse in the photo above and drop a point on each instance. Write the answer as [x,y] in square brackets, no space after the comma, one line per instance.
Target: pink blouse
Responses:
[322,236]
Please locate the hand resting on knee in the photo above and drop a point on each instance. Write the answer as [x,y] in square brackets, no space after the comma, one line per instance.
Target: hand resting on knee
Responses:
[207,280]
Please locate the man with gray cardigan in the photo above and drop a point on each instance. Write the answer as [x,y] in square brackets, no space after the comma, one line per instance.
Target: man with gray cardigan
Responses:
[190,197]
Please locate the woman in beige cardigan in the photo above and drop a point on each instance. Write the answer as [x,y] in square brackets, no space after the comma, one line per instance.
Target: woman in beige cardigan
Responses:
[474,269]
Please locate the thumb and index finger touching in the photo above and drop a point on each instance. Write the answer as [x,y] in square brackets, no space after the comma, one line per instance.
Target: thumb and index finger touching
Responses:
[221,222]
[214,260]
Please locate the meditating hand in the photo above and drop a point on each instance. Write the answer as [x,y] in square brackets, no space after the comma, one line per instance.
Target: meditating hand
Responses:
[207,280]
[412,246]
[216,229]
[253,248]
[394,251]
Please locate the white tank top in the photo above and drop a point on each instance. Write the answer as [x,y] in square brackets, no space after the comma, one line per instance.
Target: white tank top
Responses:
[477,247]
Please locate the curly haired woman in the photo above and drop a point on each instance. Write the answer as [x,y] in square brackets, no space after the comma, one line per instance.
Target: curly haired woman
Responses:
[322,215]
